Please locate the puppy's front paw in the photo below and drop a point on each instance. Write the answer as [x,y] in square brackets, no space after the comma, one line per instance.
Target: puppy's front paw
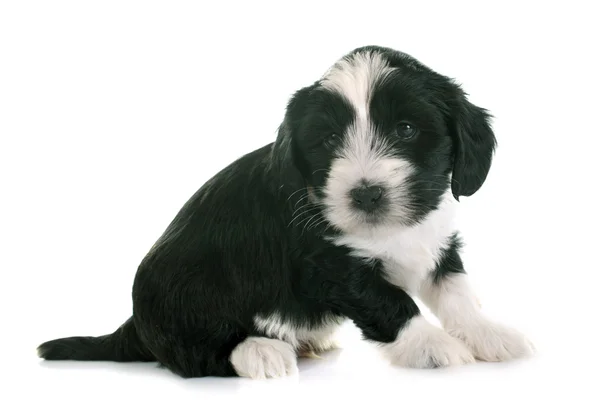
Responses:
[422,345]
[260,358]
[493,342]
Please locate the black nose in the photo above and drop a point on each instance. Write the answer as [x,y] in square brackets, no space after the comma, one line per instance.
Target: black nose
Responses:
[366,197]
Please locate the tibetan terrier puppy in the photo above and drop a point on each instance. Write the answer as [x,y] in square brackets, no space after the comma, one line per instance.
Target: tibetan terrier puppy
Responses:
[347,215]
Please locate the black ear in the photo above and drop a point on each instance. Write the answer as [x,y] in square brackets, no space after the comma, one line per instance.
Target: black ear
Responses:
[474,145]
[285,155]
[286,147]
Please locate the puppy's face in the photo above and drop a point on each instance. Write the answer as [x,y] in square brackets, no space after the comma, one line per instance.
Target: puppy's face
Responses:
[380,140]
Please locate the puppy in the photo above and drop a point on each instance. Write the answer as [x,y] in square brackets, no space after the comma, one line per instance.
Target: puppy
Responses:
[347,215]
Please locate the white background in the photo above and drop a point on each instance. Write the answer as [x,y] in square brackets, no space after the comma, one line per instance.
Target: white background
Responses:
[113,113]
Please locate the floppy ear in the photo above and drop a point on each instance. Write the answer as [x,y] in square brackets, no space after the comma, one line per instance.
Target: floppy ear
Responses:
[474,145]
[284,155]
[285,150]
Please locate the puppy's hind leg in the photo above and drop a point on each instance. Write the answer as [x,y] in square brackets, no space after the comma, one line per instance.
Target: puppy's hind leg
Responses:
[260,358]
[254,357]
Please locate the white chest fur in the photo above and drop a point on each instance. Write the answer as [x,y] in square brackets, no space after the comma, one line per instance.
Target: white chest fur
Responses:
[409,254]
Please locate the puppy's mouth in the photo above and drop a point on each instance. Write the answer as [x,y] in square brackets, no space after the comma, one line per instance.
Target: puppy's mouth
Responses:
[372,219]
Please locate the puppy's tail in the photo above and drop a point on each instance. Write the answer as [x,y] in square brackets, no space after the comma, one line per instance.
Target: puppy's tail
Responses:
[124,345]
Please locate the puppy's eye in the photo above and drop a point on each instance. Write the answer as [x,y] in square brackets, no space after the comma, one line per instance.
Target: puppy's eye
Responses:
[405,131]
[331,141]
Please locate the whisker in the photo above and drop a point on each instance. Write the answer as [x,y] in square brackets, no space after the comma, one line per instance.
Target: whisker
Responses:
[302,213]
[319,218]
[294,193]
[434,190]
[323,220]
[302,198]
[302,232]
[301,207]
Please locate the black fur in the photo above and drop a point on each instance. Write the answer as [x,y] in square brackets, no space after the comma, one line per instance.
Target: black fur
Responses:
[123,345]
[450,261]
[474,143]
[239,248]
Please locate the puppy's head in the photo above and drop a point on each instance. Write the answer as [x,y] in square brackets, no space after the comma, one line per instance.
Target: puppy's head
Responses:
[381,138]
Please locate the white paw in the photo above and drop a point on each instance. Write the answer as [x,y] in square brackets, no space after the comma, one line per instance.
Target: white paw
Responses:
[493,342]
[422,345]
[260,358]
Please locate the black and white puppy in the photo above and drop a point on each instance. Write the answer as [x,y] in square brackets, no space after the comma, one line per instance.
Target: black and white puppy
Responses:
[347,215]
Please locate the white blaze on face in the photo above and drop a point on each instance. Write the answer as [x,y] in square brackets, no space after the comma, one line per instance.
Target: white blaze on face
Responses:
[364,156]
[354,77]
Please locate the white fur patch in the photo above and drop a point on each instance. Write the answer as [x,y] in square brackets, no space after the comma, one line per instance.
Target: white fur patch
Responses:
[260,358]
[409,254]
[453,302]
[355,76]
[300,337]
[422,345]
